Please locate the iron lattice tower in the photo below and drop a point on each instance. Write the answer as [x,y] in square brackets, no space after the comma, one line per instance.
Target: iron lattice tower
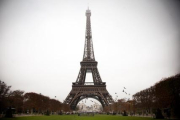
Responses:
[80,88]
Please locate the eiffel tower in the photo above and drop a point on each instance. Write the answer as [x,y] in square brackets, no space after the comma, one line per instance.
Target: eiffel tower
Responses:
[80,88]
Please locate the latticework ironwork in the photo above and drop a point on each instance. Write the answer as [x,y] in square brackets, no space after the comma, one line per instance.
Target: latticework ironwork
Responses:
[88,47]
[80,88]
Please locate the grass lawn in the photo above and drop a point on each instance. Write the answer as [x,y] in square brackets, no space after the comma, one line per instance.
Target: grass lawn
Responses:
[75,117]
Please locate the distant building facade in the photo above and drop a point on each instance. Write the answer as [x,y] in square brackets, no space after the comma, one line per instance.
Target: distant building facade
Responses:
[93,108]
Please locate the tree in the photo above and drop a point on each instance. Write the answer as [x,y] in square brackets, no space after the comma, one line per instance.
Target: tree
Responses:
[31,102]
[167,93]
[55,105]
[163,96]
[41,104]
[15,100]
[36,102]
[66,108]
[4,93]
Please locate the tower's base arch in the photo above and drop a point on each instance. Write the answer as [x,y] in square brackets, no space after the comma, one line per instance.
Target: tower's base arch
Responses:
[80,92]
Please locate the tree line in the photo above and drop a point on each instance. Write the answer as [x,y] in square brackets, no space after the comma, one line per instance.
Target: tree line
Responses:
[121,106]
[28,102]
[161,100]
[163,96]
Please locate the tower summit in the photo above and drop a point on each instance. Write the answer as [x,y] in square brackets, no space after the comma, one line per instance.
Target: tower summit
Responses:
[80,88]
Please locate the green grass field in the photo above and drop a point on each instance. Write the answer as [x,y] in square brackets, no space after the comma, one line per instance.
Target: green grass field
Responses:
[75,117]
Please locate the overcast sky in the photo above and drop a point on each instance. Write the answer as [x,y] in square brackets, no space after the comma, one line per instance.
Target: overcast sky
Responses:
[136,43]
